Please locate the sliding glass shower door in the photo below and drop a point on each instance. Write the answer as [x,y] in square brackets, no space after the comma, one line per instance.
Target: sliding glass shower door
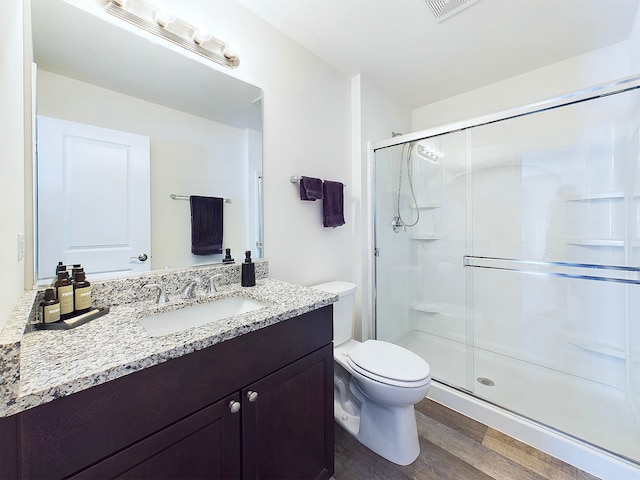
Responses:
[420,216]
[509,258]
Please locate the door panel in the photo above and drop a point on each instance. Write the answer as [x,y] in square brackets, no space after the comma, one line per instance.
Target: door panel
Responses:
[93,202]
[284,435]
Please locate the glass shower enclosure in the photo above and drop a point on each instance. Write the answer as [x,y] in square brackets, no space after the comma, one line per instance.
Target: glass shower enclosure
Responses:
[508,256]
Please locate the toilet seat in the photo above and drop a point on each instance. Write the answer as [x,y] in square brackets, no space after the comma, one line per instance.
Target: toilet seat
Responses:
[389,364]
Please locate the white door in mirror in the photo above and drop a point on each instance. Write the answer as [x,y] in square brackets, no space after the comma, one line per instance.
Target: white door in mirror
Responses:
[93,202]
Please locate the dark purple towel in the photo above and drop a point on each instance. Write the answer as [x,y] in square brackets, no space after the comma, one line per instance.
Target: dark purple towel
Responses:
[310,188]
[333,204]
[206,225]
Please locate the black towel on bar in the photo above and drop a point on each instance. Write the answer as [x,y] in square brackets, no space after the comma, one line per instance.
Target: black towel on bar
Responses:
[206,225]
[310,188]
[333,204]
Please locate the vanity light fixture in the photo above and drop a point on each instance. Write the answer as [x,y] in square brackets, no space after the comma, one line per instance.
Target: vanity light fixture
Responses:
[165,24]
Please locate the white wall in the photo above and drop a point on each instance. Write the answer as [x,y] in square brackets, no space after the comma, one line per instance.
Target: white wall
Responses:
[190,155]
[12,191]
[600,66]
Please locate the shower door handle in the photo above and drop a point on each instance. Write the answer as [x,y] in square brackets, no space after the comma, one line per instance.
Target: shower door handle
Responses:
[580,271]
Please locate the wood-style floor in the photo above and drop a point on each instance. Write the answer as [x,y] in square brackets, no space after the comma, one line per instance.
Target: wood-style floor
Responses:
[452,447]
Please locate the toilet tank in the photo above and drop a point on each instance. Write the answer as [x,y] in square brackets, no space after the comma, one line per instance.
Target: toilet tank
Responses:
[342,309]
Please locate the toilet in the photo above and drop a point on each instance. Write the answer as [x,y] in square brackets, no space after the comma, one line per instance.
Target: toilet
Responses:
[376,385]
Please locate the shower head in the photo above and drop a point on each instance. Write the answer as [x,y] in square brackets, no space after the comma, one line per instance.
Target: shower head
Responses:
[443,9]
[429,153]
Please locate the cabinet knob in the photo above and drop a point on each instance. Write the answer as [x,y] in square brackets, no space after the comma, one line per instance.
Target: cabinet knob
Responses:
[234,406]
[252,396]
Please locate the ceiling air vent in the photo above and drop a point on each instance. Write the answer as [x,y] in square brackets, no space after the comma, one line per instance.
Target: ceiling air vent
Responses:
[443,9]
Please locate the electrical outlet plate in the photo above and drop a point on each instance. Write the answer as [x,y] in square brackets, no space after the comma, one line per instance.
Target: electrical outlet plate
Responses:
[21,246]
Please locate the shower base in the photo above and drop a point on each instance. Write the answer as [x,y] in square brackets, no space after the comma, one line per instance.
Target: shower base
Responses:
[589,411]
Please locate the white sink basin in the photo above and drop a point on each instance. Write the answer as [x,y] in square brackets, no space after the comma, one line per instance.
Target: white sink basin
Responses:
[198,315]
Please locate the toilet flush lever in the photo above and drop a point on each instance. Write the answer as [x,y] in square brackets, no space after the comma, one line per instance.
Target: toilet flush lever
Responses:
[252,396]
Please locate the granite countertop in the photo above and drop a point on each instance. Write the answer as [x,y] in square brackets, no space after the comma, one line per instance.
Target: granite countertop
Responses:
[56,363]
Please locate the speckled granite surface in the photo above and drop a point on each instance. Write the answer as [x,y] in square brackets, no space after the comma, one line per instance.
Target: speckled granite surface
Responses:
[41,366]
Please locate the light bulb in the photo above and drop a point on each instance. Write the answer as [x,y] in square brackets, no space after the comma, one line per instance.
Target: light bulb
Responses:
[199,36]
[229,52]
[164,17]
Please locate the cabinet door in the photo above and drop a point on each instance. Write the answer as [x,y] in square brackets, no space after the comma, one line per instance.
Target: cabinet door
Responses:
[287,421]
[203,445]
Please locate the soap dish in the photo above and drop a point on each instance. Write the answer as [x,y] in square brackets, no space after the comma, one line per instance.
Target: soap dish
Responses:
[75,321]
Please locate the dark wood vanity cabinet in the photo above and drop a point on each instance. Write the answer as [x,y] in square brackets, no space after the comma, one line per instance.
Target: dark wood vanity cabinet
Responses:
[257,406]
[203,445]
[284,421]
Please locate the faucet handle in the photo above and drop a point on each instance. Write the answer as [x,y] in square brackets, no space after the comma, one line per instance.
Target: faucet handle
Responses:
[212,284]
[163,298]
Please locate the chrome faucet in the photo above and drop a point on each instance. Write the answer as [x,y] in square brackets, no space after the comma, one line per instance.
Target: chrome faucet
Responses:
[212,284]
[189,290]
[163,298]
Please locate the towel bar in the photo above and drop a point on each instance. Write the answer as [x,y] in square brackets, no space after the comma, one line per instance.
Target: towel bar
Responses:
[187,197]
[296,179]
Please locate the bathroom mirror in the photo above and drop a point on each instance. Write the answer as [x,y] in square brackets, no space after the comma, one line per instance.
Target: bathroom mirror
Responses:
[203,130]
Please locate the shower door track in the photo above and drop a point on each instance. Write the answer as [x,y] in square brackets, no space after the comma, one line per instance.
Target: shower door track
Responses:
[602,90]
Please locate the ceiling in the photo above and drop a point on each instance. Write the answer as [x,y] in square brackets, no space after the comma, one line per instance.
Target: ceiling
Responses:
[401,47]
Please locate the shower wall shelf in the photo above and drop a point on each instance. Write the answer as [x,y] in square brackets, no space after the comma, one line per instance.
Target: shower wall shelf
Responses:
[445,309]
[595,242]
[617,199]
[426,207]
[429,237]
[600,348]
[588,197]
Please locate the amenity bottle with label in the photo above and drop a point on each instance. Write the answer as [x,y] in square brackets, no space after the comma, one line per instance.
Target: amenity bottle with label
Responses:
[82,292]
[64,294]
[59,268]
[49,307]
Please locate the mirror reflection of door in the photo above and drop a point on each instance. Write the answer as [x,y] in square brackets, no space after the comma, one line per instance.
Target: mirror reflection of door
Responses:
[93,202]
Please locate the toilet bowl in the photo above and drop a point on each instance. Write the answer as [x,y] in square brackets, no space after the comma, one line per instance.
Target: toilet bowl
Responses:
[376,385]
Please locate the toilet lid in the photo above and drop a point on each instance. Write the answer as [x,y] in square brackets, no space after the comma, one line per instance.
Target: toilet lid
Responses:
[389,361]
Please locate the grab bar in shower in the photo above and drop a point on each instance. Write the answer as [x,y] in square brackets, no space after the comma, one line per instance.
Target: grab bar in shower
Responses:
[607,273]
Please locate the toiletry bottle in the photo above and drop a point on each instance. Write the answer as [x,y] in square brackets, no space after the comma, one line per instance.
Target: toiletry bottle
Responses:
[59,268]
[49,307]
[248,271]
[227,256]
[74,269]
[82,292]
[64,294]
